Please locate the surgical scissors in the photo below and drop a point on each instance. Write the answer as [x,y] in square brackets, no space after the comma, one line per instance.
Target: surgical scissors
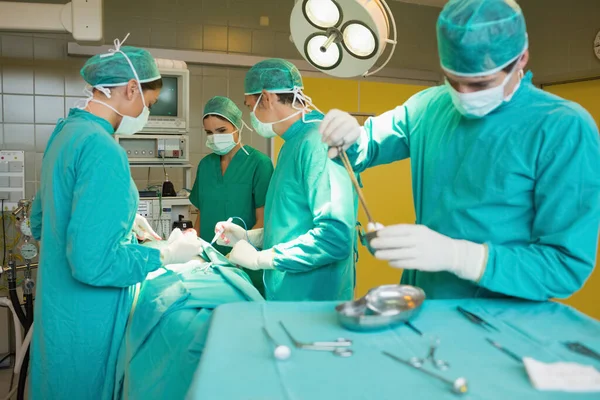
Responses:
[476,319]
[338,347]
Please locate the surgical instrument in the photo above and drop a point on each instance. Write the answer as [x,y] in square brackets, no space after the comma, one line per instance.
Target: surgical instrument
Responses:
[338,347]
[219,232]
[459,386]
[281,352]
[361,197]
[505,350]
[413,328]
[476,319]
[579,348]
[439,364]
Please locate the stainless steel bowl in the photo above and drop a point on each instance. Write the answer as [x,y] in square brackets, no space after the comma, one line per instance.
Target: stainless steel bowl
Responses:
[382,307]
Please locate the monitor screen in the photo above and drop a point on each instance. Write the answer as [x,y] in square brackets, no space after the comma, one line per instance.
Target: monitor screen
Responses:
[166,106]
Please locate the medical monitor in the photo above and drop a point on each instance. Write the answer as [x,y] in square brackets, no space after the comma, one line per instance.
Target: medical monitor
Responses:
[170,115]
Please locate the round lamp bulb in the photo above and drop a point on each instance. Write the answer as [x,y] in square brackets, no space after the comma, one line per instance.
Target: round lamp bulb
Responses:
[322,13]
[359,40]
[322,59]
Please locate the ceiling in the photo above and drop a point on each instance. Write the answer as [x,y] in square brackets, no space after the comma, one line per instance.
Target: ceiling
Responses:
[434,3]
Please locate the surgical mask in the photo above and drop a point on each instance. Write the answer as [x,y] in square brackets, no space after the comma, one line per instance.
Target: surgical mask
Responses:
[128,125]
[481,103]
[223,143]
[220,143]
[300,104]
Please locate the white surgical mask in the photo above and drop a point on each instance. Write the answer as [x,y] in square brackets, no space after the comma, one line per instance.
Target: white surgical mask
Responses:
[481,103]
[220,143]
[300,104]
[223,143]
[128,125]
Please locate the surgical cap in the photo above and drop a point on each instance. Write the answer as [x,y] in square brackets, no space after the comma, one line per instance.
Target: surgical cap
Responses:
[480,37]
[274,75]
[224,107]
[112,69]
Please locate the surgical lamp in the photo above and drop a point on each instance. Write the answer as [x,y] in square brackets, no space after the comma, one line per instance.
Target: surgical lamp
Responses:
[343,38]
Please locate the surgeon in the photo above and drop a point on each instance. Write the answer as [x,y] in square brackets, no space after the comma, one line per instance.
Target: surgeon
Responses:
[84,213]
[308,239]
[233,180]
[506,177]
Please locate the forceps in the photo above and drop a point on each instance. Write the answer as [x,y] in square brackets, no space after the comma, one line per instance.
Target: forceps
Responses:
[476,319]
[338,347]
[361,197]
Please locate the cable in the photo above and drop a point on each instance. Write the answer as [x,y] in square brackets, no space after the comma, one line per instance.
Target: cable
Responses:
[5,357]
[3,235]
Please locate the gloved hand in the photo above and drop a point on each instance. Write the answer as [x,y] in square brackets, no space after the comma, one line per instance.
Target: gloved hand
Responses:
[245,255]
[233,233]
[418,247]
[181,248]
[339,129]
[143,230]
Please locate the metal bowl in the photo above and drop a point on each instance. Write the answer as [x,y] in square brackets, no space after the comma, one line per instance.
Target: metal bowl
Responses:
[382,307]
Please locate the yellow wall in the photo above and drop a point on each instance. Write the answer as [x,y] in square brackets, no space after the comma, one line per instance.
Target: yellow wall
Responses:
[387,188]
[588,95]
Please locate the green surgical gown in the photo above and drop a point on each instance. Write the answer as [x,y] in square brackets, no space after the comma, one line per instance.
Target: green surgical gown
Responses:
[310,217]
[238,193]
[525,180]
[83,213]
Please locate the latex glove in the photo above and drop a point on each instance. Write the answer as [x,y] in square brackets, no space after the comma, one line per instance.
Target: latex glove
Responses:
[339,129]
[181,248]
[233,233]
[143,230]
[245,255]
[418,247]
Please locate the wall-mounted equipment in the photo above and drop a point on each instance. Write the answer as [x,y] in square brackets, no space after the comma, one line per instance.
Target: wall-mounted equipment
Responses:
[343,38]
[12,178]
[82,18]
[163,213]
[171,114]
[155,148]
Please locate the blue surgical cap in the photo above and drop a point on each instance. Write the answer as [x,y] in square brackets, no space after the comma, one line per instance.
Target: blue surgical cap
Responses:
[480,37]
[226,108]
[113,69]
[274,75]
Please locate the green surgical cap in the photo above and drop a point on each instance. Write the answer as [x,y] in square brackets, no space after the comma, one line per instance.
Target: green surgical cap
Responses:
[112,69]
[224,107]
[480,37]
[274,75]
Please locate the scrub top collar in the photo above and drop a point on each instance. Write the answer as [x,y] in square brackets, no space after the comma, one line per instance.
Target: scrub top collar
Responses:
[79,113]
[298,126]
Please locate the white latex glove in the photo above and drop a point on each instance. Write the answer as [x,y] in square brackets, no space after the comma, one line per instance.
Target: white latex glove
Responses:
[418,247]
[339,129]
[181,248]
[233,233]
[143,230]
[245,255]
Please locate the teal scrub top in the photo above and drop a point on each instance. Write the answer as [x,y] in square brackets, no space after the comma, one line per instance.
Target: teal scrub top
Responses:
[238,193]
[525,180]
[84,213]
[310,216]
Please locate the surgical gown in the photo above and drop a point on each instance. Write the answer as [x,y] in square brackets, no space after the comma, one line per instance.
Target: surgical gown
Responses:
[83,213]
[237,193]
[310,216]
[525,180]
